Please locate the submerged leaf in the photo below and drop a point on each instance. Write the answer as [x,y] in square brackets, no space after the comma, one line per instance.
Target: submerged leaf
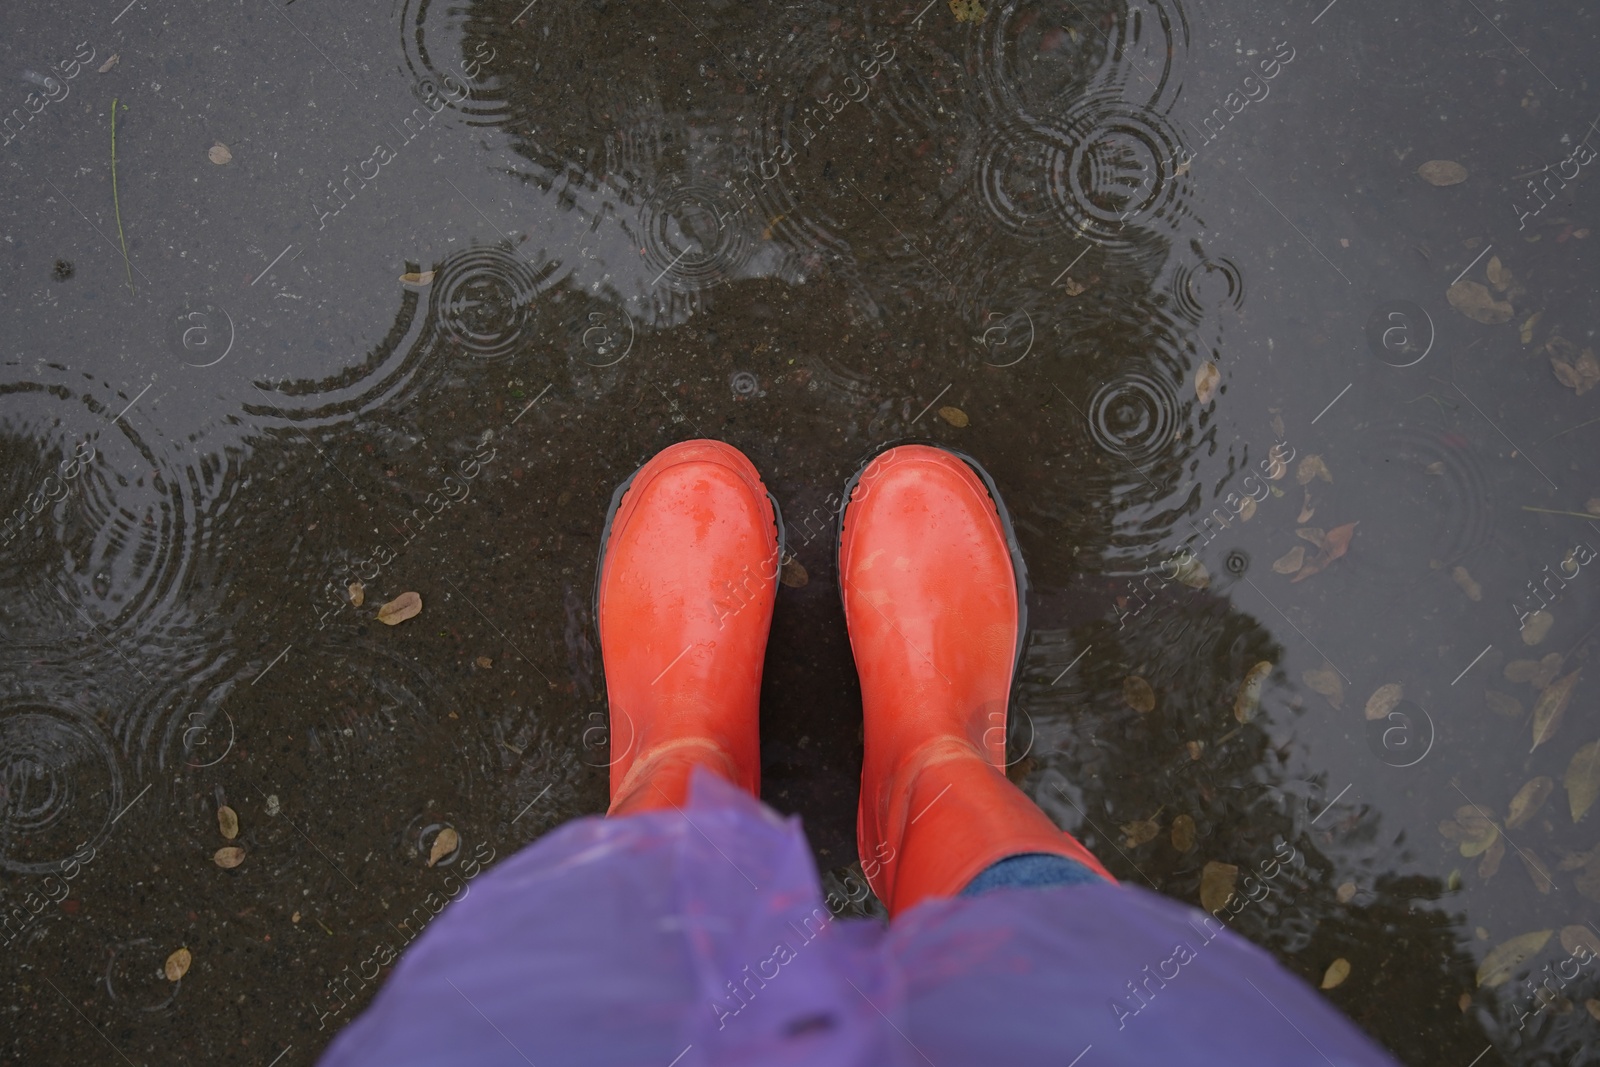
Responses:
[954,416]
[1502,704]
[1529,799]
[1138,694]
[1141,832]
[1489,865]
[1503,960]
[445,842]
[403,607]
[358,593]
[1336,973]
[1312,467]
[1468,586]
[1248,698]
[1498,273]
[1383,700]
[417,277]
[228,822]
[1206,379]
[177,964]
[1536,627]
[1583,779]
[1291,560]
[1442,172]
[1552,707]
[967,10]
[793,573]
[1474,300]
[1326,680]
[228,857]
[1216,885]
[1183,833]
[1192,573]
[219,154]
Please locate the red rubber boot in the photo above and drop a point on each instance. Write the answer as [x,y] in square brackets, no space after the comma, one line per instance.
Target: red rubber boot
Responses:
[932,601]
[688,577]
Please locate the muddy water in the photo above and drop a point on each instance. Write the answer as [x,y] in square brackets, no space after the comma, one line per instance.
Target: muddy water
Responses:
[808,231]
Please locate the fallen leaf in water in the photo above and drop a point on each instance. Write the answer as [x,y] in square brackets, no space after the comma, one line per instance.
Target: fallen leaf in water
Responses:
[1336,973]
[358,593]
[1291,560]
[1442,172]
[1573,860]
[1499,274]
[1196,749]
[1592,1006]
[1307,511]
[1579,936]
[1247,510]
[1464,1001]
[228,822]
[1529,799]
[1313,534]
[1138,694]
[1548,668]
[108,64]
[444,843]
[1346,893]
[1073,286]
[1216,885]
[1206,379]
[1472,831]
[954,416]
[1312,467]
[417,278]
[1183,833]
[1592,505]
[1581,375]
[228,857]
[403,607]
[1192,573]
[1502,961]
[1474,300]
[1536,869]
[1383,700]
[177,964]
[1536,626]
[1141,832]
[1326,680]
[793,574]
[1521,670]
[1502,704]
[485,662]
[1248,698]
[1583,779]
[1468,586]
[967,10]
[1489,865]
[219,154]
[1552,707]
[1525,334]
[1334,544]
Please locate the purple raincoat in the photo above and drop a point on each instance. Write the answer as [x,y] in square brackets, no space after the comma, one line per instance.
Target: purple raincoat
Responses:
[681,939]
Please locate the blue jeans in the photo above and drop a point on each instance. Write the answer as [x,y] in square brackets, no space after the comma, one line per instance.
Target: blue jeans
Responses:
[1030,870]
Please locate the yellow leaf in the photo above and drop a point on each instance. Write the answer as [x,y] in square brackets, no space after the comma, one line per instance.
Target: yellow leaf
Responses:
[1183,833]
[1583,779]
[1326,680]
[1383,700]
[1442,172]
[1138,694]
[1291,561]
[967,10]
[177,964]
[228,822]
[1474,300]
[1336,973]
[358,593]
[1312,467]
[228,857]
[1206,379]
[954,416]
[1216,885]
[444,843]
[1537,625]
[403,607]
[1552,708]
[1502,961]
[1526,333]
[1468,586]
[416,278]
[1248,698]
[1529,799]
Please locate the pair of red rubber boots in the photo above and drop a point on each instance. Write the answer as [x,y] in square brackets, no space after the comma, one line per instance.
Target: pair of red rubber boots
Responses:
[688,579]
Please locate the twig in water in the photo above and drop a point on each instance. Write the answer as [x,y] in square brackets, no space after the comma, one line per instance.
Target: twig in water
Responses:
[1552,511]
[117,204]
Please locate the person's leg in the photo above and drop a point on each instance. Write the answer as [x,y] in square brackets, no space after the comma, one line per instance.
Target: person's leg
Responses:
[1030,870]
[687,581]
[932,599]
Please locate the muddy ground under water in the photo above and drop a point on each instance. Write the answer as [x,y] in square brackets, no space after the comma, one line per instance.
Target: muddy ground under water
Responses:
[1274,325]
